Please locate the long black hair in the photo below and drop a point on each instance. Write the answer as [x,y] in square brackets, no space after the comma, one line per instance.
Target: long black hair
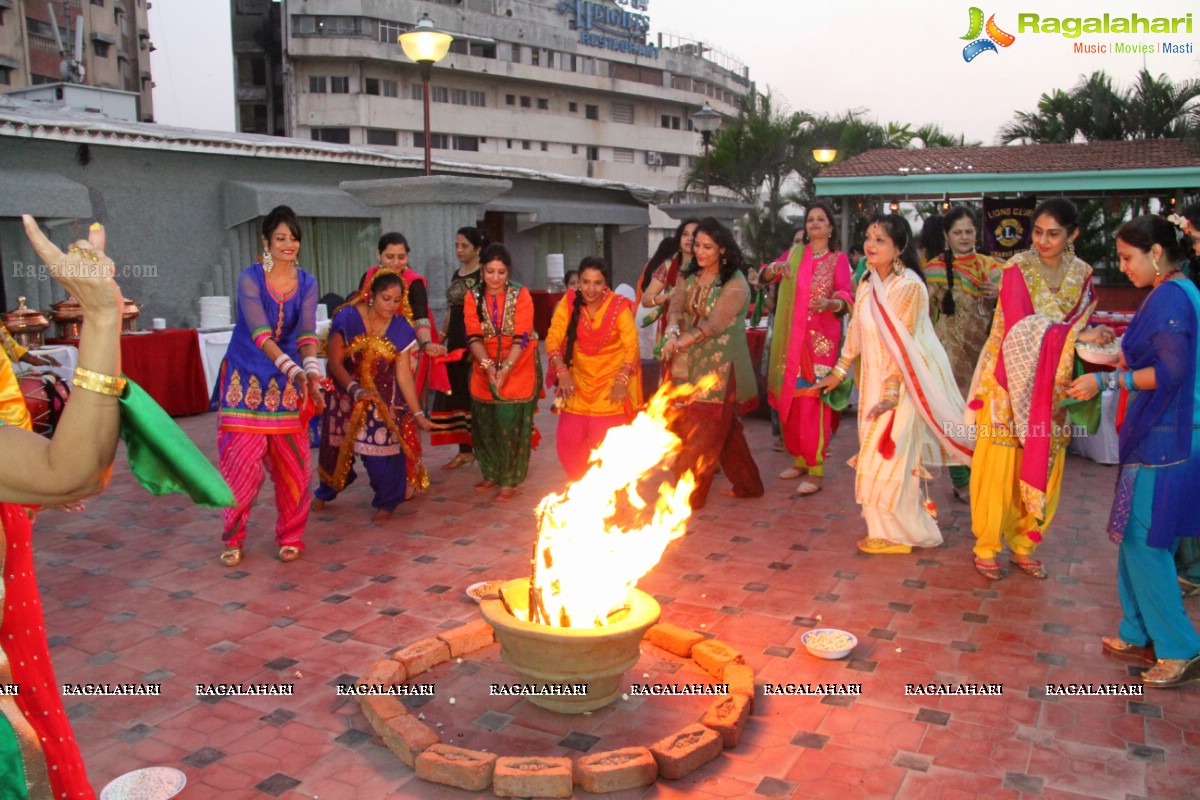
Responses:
[667,249]
[591,262]
[731,261]
[932,239]
[896,228]
[1148,230]
[835,242]
[948,222]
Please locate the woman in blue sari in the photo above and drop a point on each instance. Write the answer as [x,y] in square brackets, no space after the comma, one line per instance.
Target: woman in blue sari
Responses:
[1159,453]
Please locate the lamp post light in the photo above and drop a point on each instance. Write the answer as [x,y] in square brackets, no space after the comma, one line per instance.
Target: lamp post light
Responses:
[706,120]
[824,155]
[426,46]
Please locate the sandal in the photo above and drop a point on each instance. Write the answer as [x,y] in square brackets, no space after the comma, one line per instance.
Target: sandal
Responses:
[962,494]
[485,485]
[807,487]
[790,474]
[460,460]
[993,571]
[876,546]
[507,493]
[288,553]
[1188,588]
[231,556]
[1117,647]
[1032,568]
[1168,672]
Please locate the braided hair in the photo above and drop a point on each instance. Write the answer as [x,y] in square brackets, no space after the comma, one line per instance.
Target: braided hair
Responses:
[600,265]
[948,221]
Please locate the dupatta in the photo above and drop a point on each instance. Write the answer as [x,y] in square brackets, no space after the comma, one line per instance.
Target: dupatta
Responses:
[781,327]
[925,370]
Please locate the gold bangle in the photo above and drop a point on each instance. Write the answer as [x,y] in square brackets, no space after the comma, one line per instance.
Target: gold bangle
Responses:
[113,386]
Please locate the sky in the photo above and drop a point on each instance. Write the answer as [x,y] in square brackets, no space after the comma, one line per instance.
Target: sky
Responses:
[900,61]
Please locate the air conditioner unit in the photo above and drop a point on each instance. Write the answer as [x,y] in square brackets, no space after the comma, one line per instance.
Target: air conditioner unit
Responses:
[654,158]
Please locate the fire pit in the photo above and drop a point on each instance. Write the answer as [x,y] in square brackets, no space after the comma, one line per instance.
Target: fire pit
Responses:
[569,670]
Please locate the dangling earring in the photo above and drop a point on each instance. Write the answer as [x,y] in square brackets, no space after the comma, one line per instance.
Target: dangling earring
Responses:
[897,265]
[267,262]
[1157,269]
[1071,250]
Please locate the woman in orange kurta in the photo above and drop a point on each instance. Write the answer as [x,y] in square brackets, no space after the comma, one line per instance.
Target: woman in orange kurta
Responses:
[506,374]
[594,360]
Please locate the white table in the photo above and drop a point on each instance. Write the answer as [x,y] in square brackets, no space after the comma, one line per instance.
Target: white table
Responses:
[214,343]
[1101,446]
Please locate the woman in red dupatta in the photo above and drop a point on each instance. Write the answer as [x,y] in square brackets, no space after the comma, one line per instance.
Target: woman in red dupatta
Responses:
[39,759]
[658,294]
[815,292]
[1046,299]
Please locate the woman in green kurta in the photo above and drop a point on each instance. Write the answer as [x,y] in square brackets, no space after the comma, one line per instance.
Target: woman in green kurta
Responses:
[706,334]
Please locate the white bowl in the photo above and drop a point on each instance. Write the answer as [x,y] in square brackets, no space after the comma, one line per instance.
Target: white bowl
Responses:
[1106,355]
[822,641]
[151,783]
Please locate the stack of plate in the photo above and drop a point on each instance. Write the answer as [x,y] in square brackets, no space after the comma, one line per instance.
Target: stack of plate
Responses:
[214,312]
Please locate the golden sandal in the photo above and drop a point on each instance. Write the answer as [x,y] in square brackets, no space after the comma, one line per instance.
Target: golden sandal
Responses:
[231,556]
[1168,672]
[876,546]
[1118,647]
[288,553]
[1032,568]
[992,571]
[460,460]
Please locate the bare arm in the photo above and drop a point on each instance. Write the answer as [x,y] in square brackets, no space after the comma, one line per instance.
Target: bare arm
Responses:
[77,462]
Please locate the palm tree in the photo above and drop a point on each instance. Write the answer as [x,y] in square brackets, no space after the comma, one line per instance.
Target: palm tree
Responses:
[1160,108]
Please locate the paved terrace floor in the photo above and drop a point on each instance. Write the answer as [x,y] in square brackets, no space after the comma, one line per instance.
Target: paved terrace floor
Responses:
[133,592]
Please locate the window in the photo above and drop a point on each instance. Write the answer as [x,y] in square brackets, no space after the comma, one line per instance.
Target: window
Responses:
[670,159]
[316,84]
[516,54]
[333,135]
[439,94]
[437,141]
[476,99]
[98,3]
[458,97]
[574,149]
[526,102]
[510,144]
[543,104]
[371,86]
[339,84]
[510,99]
[389,32]
[5,76]
[381,136]
[622,155]
[593,153]
[526,145]
[390,88]
[592,112]
[338,26]
[545,147]
[573,107]
[100,48]
[466,143]
[670,122]
[622,112]
[535,57]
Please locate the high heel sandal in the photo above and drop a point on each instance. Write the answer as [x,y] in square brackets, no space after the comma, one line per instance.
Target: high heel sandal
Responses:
[1118,647]
[1032,568]
[1168,672]
[231,556]
[288,553]
[460,460]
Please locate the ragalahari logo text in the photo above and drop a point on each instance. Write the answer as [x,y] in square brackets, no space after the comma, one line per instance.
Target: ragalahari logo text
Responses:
[995,36]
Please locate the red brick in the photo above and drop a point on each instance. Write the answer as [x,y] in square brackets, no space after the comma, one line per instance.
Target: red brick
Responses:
[533,777]
[383,672]
[616,770]
[419,657]
[407,737]
[727,716]
[741,681]
[468,638]
[673,638]
[682,753]
[379,708]
[712,657]
[456,766]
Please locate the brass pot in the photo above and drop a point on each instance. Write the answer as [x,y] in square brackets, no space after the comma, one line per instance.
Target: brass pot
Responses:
[68,318]
[26,324]
[129,316]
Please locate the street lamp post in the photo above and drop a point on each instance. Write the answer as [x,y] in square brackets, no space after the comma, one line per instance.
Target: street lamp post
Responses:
[706,120]
[426,46]
[824,155]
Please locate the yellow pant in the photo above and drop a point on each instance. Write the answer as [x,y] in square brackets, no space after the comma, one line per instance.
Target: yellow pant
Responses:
[996,507]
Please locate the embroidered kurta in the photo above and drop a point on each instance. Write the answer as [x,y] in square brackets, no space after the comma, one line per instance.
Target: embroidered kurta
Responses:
[506,318]
[965,332]
[605,344]
[253,395]
[719,312]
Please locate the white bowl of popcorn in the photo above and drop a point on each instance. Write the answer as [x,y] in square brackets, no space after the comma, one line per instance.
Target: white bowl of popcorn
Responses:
[829,643]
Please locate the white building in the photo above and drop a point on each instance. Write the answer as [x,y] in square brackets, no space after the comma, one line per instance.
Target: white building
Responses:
[574,87]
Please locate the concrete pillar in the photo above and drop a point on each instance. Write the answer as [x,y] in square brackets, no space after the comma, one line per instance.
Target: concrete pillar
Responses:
[725,213]
[428,211]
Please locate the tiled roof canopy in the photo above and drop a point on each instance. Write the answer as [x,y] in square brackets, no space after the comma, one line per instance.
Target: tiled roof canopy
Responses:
[1117,155]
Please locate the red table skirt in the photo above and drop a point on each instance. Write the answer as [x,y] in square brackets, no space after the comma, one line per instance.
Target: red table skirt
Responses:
[544,304]
[167,364]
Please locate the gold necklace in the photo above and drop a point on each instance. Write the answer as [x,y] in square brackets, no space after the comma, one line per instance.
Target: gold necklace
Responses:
[821,254]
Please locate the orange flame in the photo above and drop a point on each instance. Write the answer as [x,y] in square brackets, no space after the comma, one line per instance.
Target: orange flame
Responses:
[599,538]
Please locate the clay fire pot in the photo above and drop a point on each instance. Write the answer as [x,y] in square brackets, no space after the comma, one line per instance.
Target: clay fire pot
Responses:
[68,318]
[597,657]
[26,324]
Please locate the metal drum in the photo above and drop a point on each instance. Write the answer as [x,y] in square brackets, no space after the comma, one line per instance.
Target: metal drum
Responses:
[45,397]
